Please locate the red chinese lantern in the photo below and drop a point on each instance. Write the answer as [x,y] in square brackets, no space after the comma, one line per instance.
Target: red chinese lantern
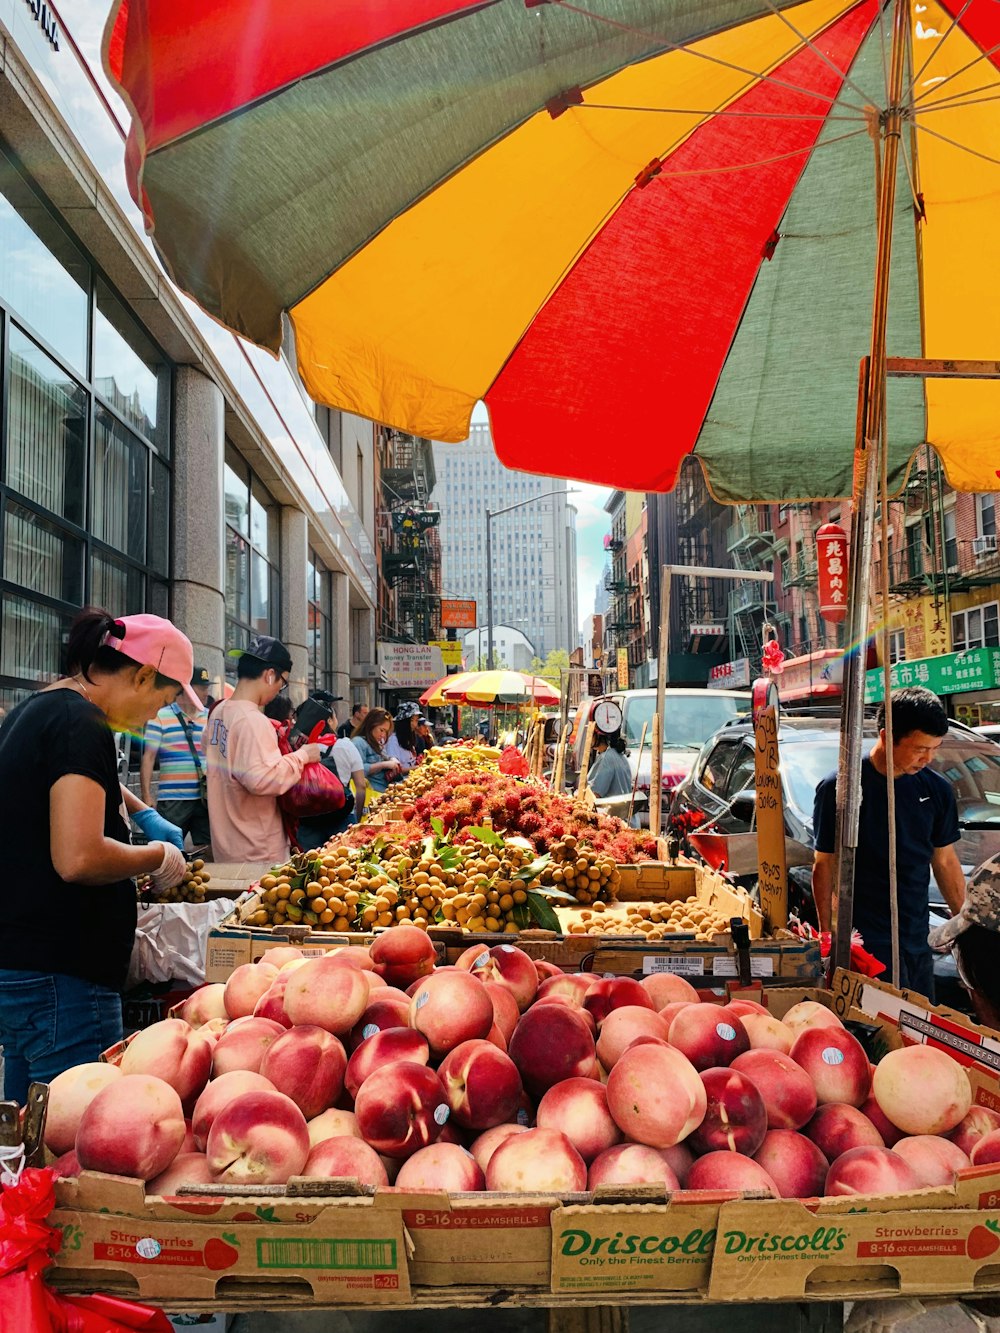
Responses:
[831,554]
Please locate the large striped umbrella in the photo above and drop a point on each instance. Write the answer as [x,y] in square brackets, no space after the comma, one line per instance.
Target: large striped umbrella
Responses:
[499,687]
[638,229]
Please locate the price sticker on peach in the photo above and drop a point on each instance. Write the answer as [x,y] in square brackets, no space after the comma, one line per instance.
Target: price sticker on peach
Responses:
[831,1056]
[726,1032]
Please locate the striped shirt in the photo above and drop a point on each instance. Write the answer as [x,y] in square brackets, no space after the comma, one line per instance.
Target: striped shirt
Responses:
[178,775]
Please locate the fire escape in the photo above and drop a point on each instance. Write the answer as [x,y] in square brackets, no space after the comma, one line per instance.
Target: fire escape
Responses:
[409,541]
[750,543]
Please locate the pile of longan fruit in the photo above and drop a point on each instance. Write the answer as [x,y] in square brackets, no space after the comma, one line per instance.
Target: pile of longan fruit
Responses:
[191,889]
[653,921]
[476,888]
[573,866]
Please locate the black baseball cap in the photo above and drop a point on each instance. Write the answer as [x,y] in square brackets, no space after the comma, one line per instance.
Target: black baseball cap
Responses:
[200,676]
[266,649]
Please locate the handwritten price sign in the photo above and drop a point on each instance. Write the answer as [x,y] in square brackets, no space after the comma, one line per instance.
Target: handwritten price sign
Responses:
[771,866]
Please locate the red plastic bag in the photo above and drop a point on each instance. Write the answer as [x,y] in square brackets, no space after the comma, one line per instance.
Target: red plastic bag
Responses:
[513,763]
[27,1245]
[318,791]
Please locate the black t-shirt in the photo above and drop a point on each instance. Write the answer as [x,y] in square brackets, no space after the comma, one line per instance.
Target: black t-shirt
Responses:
[926,818]
[78,930]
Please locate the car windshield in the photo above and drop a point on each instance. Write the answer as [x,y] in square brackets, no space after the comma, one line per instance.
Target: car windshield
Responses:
[805,765]
[690,718]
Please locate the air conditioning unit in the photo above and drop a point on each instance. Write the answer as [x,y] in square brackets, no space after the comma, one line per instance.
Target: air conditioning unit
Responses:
[984,545]
[368,671]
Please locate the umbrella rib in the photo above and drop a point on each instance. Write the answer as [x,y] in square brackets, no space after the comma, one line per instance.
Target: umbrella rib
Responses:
[696,111]
[955,21]
[961,99]
[700,55]
[983,55]
[843,74]
[973,152]
[663,176]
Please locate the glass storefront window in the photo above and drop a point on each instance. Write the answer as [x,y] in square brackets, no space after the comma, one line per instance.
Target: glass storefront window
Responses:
[47,431]
[39,557]
[121,484]
[320,635]
[116,585]
[30,640]
[43,276]
[128,372]
[252,583]
[237,577]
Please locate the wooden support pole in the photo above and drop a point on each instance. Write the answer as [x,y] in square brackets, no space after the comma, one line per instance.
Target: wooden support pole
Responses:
[656,779]
[559,771]
[635,780]
[588,745]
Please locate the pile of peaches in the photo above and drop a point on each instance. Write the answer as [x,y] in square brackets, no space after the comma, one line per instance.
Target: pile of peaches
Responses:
[503,1073]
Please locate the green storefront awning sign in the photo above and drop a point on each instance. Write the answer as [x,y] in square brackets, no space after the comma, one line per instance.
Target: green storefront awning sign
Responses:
[952,673]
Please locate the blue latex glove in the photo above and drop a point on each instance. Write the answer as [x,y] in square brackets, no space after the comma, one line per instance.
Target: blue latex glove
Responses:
[158,829]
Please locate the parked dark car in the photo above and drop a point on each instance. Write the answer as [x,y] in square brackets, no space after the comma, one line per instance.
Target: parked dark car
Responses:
[720,788]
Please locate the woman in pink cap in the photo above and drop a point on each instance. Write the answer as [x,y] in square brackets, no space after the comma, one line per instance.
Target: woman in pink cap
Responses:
[67,936]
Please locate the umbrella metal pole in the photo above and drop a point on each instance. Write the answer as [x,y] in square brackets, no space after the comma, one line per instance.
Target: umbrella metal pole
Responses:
[865,490]
[489,591]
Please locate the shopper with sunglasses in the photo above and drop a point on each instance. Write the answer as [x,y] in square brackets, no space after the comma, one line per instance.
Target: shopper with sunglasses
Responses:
[246,770]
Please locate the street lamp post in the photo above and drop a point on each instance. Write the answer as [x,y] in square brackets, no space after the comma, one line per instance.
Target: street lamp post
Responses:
[491,514]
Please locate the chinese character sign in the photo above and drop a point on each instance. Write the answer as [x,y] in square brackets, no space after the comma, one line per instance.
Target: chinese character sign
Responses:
[831,555]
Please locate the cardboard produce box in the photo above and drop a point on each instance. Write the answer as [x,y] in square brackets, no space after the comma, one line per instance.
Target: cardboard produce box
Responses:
[117,1239]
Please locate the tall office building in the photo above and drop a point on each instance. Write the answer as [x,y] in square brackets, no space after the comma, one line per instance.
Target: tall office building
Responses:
[534,547]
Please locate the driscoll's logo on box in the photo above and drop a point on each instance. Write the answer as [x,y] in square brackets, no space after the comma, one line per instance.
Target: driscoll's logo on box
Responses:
[588,1248]
[824,1240]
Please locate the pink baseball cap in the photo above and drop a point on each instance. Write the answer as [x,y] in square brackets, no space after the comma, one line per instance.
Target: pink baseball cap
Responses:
[153,641]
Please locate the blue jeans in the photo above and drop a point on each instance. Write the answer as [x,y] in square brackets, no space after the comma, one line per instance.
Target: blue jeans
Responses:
[48,1023]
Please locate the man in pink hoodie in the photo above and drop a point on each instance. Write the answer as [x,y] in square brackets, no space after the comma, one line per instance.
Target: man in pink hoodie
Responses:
[246,770]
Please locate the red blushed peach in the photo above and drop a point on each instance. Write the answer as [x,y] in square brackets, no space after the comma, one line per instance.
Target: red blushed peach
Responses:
[384,1048]
[281,954]
[680,1159]
[541,1161]
[483,1147]
[401,1108]
[922,1090]
[870,1171]
[615,993]
[326,994]
[986,1149]
[351,956]
[794,1163]
[272,1003]
[631,1164]
[836,1062]
[213,1029]
[67,1166]
[379,1016]
[508,966]
[173,1051]
[735,1117]
[787,1089]
[545,969]
[979,1121]
[622,1027]
[206,1003]
[505,1010]
[666,988]
[566,1002]
[70,1093]
[259,1138]
[449,1008]
[481,1083]
[442,1166]
[935,1160]
[496,1038]
[333,1124]
[308,1065]
[767,1033]
[578,1107]
[245,987]
[187,1168]
[219,1093]
[346,1158]
[244,1046]
[670,1011]
[133,1127]
[810,1014]
[551,1042]
[888,1131]
[707,1037]
[572,985]
[730,1171]
[836,1128]
[743,1007]
[403,955]
[656,1096]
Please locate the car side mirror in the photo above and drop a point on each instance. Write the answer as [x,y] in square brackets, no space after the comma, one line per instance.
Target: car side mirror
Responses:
[744,804]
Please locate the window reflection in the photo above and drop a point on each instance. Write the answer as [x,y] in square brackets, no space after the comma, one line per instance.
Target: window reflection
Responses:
[128,372]
[47,420]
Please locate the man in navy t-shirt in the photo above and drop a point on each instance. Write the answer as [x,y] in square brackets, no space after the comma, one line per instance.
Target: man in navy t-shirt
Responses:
[926,833]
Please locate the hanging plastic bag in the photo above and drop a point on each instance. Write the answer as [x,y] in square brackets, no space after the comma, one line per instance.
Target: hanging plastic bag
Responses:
[513,763]
[318,791]
[27,1245]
